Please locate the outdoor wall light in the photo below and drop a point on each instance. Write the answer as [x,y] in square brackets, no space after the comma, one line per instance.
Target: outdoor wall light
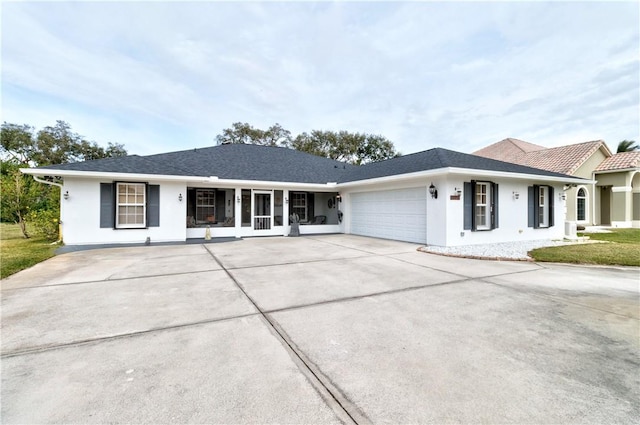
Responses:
[516,195]
[338,198]
[433,191]
[66,195]
[180,198]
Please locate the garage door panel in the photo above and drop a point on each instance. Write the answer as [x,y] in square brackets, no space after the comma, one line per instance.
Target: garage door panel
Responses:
[392,214]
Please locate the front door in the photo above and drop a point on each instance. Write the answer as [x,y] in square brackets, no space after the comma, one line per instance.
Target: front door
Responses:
[605,205]
[262,212]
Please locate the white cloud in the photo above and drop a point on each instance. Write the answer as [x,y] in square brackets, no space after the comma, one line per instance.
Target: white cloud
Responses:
[165,76]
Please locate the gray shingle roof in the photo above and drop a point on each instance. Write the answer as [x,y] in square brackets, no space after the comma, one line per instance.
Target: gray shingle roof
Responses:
[263,163]
[127,164]
[433,159]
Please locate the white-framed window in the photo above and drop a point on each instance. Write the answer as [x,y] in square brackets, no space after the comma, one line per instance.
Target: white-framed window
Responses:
[543,206]
[581,204]
[483,206]
[299,205]
[540,206]
[481,199]
[205,205]
[131,205]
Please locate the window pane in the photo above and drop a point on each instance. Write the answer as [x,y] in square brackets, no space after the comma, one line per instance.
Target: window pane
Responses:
[581,209]
[483,200]
[481,216]
[131,204]
[582,204]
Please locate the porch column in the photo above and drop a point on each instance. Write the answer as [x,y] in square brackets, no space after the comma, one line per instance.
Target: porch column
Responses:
[285,213]
[238,211]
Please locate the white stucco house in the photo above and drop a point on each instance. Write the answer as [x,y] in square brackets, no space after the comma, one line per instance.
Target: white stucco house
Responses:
[434,197]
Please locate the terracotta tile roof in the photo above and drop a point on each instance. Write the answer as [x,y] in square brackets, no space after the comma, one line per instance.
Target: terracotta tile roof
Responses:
[509,150]
[562,159]
[620,161]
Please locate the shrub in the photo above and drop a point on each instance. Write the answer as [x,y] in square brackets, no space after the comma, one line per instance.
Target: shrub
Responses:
[44,223]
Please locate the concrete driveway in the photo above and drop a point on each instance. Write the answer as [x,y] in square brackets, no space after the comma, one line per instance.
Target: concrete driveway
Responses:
[323,329]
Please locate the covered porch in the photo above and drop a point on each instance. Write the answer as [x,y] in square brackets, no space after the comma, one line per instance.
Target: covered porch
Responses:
[259,211]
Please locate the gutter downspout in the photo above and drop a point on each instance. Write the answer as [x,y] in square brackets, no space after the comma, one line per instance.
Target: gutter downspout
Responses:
[39,180]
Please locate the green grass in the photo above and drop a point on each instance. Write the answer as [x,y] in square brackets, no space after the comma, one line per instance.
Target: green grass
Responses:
[620,247]
[18,253]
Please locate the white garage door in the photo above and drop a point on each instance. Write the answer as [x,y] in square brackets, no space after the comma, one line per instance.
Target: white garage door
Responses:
[391,214]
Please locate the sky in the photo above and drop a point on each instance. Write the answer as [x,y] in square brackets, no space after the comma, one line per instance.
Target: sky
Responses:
[168,76]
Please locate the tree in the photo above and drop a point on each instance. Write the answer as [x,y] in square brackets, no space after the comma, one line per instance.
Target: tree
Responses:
[627,146]
[355,148]
[244,133]
[20,147]
[276,136]
[17,143]
[52,145]
[20,195]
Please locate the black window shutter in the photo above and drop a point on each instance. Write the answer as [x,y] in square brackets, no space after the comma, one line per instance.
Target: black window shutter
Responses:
[552,201]
[531,207]
[107,197]
[153,205]
[494,206]
[468,206]
[536,206]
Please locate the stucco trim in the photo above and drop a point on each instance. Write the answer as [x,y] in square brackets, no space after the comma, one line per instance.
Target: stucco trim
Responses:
[621,189]
[619,170]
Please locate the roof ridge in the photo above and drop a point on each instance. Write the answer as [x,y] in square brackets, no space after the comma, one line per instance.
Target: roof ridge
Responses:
[578,163]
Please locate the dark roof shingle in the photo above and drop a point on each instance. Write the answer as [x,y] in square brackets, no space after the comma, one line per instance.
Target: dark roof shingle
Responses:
[265,163]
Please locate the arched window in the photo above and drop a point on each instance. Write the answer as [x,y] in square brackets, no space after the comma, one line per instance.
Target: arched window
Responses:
[581,204]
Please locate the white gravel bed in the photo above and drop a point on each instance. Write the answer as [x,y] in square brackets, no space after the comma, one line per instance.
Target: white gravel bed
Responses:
[501,251]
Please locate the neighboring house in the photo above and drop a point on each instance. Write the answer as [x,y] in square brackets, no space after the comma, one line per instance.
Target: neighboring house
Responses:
[618,178]
[435,197]
[612,199]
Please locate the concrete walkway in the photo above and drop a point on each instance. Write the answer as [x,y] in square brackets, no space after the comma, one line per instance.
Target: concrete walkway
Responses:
[323,329]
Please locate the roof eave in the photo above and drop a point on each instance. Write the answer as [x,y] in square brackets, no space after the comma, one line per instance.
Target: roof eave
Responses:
[618,170]
[186,179]
[104,174]
[391,179]
[519,176]
[278,184]
[466,172]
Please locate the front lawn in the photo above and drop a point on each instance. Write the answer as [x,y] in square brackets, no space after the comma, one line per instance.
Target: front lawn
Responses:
[18,253]
[620,247]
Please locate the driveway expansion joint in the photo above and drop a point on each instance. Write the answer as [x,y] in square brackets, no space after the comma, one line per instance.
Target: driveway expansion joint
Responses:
[54,285]
[334,399]
[119,336]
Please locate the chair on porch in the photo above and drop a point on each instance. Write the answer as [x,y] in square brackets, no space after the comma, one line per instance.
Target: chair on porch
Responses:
[319,219]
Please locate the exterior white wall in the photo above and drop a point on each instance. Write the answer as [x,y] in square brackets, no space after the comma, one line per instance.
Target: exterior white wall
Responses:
[445,216]
[512,215]
[80,215]
[437,211]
